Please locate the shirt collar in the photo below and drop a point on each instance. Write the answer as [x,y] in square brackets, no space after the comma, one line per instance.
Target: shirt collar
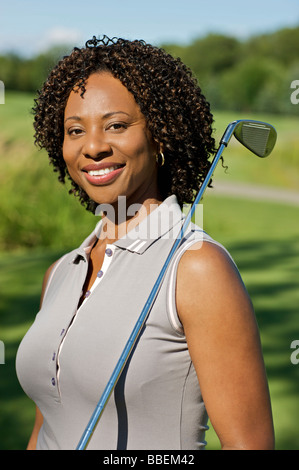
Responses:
[160,223]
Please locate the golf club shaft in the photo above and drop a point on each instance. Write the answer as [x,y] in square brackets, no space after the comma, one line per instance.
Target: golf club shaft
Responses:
[147,307]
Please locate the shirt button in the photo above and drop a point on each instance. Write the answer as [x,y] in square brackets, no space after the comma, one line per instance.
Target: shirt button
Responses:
[87,294]
[108,252]
[53,357]
[62,331]
[100,273]
[53,381]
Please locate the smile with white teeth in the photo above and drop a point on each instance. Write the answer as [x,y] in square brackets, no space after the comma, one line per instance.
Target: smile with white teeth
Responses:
[104,171]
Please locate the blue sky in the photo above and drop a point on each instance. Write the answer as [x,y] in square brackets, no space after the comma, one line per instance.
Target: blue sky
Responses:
[31,26]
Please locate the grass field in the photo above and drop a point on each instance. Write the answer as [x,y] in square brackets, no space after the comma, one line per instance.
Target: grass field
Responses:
[264,241]
[263,237]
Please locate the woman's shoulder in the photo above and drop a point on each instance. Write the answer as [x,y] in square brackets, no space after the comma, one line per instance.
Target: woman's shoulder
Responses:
[206,260]
[207,278]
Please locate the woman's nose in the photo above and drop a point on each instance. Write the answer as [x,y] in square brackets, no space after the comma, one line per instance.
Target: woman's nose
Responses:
[96,145]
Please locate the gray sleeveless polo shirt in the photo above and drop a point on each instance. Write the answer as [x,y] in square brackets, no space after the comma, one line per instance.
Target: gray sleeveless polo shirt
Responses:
[68,354]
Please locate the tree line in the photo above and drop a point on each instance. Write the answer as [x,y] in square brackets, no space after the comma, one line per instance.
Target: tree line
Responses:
[252,75]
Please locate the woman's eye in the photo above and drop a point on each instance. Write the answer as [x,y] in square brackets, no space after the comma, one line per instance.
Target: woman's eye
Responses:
[74,131]
[117,126]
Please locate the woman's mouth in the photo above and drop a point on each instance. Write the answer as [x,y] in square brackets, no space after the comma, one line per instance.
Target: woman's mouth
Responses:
[102,173]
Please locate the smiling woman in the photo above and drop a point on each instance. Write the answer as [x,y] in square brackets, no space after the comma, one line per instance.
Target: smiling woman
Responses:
[125,121]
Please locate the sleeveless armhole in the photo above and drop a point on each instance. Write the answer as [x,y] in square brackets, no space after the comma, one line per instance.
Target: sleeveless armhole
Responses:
[171,288]
[50,277]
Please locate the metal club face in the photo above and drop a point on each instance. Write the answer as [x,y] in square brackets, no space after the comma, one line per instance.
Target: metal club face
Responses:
[258,137]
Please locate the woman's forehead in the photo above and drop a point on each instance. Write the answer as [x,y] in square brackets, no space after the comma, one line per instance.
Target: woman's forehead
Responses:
[104,90]
[105,93]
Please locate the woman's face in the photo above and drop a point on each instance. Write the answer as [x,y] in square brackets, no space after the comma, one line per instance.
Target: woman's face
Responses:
[108,150]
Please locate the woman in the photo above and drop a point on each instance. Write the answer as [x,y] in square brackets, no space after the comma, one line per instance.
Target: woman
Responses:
[130,127]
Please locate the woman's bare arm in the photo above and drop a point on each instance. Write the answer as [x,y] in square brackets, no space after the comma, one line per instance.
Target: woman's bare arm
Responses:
[37,425]
[224,344]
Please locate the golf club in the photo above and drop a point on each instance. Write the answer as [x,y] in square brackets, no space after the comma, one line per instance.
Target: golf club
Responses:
[259,138]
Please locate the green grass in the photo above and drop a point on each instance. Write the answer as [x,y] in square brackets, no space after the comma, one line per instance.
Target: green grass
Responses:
[263,238]
[16,117]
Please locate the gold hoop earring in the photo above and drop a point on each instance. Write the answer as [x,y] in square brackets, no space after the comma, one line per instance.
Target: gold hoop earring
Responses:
[158,157]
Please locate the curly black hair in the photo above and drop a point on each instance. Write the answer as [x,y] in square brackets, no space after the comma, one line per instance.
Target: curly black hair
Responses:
[177,113]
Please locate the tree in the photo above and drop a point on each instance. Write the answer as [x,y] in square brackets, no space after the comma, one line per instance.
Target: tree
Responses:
[252,86]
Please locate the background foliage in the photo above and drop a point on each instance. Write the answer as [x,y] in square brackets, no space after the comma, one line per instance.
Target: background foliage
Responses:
[250,75]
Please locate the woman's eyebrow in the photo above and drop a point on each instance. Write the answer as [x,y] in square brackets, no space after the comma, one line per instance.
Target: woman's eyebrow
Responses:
[105,116]
[76,118]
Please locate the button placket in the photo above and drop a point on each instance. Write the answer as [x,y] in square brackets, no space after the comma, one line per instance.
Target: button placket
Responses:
[55,368]
[109,252]
[52,365]
[55,364]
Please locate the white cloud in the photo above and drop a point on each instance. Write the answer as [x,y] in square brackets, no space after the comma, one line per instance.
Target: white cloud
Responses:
[58,36]
[28,45]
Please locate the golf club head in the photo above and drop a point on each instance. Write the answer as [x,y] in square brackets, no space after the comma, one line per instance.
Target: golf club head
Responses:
[258,137]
